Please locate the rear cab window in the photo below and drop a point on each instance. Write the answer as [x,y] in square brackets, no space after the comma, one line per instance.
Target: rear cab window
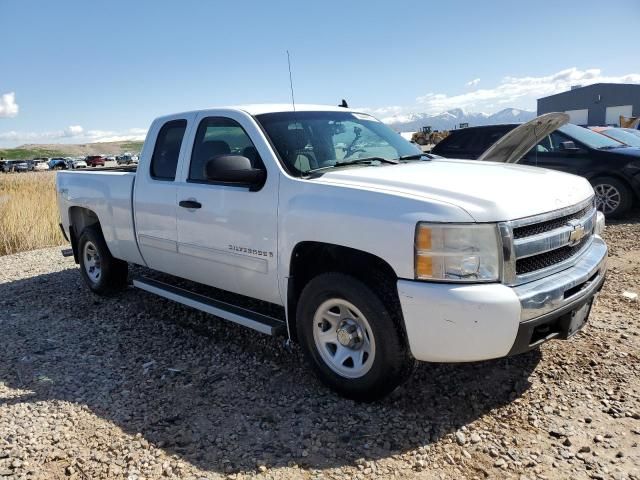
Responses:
[166,152]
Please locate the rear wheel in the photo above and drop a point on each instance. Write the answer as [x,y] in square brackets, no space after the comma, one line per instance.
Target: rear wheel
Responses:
[613,197]
[102,273]
[350,338]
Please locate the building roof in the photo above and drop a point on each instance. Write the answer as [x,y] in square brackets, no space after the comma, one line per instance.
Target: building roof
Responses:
[595,86]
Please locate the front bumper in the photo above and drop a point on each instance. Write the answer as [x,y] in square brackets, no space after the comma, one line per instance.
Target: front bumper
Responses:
[459,323]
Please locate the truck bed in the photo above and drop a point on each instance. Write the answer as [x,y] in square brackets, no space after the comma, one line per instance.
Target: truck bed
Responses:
[107,192]
[124,168]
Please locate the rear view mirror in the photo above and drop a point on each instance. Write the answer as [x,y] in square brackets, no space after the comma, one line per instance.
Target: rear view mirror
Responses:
[234,169]
[568,146]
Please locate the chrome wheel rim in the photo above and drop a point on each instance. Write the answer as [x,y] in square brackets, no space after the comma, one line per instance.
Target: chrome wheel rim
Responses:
[607,198]
[343,338]
[92,263]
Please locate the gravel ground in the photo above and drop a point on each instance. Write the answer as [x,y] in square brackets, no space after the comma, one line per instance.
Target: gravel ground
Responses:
[137,387]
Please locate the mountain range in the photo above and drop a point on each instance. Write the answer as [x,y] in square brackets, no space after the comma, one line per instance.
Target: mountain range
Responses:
[453,118]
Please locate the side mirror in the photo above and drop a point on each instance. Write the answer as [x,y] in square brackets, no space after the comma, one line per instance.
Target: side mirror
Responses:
[568,146]
[234,169]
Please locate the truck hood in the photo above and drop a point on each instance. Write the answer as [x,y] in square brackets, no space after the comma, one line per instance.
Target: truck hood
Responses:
[487,191]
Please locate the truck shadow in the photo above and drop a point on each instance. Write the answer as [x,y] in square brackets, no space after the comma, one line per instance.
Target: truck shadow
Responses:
[222,397]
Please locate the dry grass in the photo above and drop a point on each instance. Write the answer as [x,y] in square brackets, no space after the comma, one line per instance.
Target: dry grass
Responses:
[28,212]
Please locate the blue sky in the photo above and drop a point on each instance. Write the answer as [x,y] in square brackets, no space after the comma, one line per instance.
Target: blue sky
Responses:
[76,71]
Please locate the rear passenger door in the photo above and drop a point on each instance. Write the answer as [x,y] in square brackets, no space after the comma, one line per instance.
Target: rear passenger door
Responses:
[229,240]
[155,193]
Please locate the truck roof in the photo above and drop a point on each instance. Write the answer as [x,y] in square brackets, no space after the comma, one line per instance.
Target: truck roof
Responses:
[257,109]
[260,108]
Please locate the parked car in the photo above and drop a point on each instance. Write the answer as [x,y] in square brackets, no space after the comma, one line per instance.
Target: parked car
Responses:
[78,164]
[622,135]
[95,161]
[8,165]
[610,166]
[58,163]
[371,256]
[124,159]
[40,164]
[23,166]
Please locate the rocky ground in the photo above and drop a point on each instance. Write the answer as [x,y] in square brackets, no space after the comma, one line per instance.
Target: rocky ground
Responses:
[137,387]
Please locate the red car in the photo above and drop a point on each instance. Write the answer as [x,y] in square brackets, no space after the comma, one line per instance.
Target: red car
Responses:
[95,161]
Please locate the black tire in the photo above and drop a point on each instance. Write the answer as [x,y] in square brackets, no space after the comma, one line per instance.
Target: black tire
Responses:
[618,192]
[392,362]
[112,275]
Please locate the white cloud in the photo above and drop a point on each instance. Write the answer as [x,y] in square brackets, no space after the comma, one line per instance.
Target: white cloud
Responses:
[473,83]
[72,134]
[8,105]
[518,92]
[73,130]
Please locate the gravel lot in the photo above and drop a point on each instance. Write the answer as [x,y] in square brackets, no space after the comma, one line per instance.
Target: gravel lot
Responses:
[137,387]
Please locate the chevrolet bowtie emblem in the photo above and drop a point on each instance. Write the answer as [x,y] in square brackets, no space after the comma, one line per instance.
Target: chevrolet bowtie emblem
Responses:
[576,234]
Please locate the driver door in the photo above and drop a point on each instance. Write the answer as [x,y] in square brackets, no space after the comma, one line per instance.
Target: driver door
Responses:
[227,234]
[551,155]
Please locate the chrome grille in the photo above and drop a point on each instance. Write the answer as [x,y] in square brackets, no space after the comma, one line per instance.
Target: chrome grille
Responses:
[547,259]
[537,228]
[544,244]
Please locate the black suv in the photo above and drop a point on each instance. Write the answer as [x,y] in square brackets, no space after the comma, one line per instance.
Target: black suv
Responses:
[612,168]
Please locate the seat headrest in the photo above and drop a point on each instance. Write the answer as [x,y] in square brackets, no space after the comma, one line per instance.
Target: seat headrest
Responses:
[213,148]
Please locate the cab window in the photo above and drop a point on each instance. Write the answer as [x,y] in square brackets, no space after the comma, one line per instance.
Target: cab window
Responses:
[220,136]
[167,150]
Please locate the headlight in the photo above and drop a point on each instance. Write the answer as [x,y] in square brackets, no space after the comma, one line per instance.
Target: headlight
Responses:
[457,253]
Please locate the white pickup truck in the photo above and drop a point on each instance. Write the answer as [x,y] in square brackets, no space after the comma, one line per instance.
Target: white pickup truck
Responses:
[344,237]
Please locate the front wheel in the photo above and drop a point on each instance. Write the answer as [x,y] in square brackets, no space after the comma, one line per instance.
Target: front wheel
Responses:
[102,273]
[613,197]
[350,338]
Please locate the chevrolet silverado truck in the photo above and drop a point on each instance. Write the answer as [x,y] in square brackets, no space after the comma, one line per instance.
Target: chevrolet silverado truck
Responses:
[325,226]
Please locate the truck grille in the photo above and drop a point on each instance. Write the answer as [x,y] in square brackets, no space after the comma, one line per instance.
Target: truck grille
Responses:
[537,228]
[547,259]
[541,245]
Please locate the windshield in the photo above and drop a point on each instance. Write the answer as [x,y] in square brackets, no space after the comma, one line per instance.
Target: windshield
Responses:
[632,131]
[589,138]
[307,141]
[624,137]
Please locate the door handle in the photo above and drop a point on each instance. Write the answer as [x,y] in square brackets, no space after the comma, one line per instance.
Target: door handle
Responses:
[190,204]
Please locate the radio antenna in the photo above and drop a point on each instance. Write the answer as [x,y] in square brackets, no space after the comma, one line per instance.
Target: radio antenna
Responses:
[293,100]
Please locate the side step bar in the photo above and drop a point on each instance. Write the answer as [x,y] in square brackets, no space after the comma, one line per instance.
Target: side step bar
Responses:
[243,316]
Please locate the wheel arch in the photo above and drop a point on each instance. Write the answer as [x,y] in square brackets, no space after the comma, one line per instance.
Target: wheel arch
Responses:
[310,258]
[79,219]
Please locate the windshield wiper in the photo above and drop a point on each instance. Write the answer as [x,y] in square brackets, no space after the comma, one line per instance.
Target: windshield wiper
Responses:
[609,147]
[356,161]
[415,156]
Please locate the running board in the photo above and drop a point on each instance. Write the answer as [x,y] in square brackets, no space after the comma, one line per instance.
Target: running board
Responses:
[243,316]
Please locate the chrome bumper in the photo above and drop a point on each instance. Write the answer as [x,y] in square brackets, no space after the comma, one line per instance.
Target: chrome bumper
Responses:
[566,288]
